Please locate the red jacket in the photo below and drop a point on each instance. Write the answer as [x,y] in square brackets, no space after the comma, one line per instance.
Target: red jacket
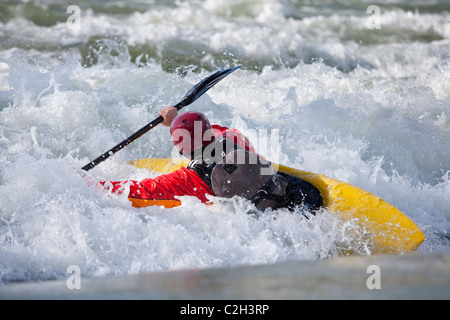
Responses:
[182,182]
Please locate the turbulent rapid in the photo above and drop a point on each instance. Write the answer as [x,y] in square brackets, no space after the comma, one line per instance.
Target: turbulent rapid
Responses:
[359,95]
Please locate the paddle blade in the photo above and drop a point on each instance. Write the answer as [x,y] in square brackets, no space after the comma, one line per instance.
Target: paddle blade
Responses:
[200,88]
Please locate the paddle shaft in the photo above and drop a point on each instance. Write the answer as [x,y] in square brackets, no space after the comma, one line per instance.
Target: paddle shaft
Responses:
[198,90]
[125,142]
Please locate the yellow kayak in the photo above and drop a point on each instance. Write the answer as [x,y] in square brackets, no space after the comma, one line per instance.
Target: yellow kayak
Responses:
[391,231]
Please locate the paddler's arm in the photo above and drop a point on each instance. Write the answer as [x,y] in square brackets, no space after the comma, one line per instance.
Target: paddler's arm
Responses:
[181,182]
[118,187]
[168,113]
[115,187]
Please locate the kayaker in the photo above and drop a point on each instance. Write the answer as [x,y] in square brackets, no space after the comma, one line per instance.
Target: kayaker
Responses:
[223,163]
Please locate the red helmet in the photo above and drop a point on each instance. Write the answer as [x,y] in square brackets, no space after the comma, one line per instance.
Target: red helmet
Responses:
[191,130]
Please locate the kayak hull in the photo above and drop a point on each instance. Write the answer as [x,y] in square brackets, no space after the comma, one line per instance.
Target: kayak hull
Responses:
[391,231]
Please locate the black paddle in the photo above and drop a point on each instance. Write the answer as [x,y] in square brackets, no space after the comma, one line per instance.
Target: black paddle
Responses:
[196,92]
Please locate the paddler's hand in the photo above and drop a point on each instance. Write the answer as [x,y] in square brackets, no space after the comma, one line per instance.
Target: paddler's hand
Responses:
[168,113]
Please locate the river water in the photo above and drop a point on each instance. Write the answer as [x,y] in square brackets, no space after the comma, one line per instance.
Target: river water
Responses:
[355,90]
